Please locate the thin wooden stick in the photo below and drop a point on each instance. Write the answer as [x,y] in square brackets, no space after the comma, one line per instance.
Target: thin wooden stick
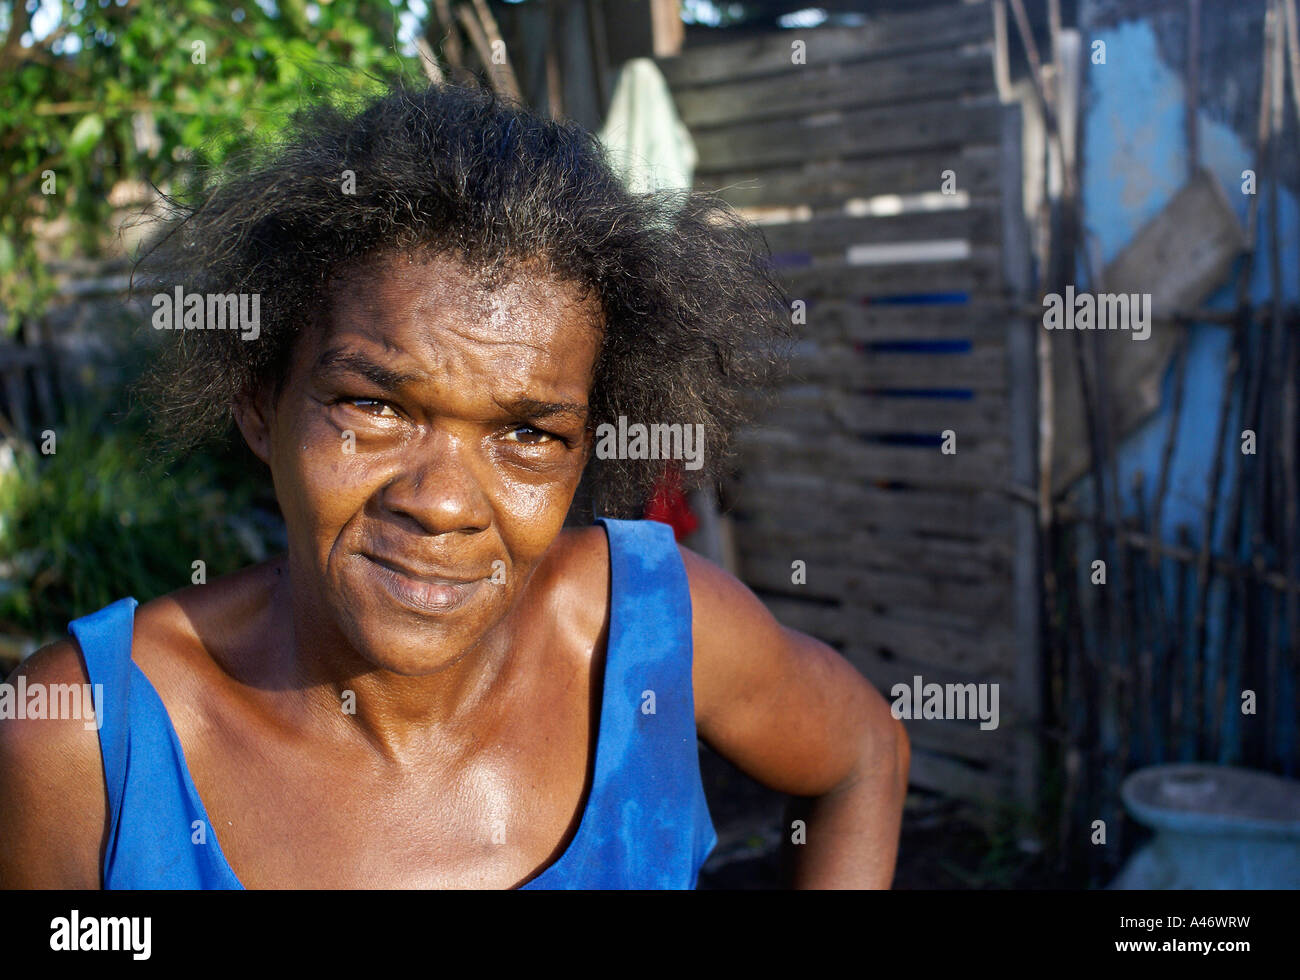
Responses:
[1167,454]
[510,83]
[599,51]
[1040,89]
[1289,407]
[1148,629]
[1251,348]
[1184,719]
[451,46]
[1073,701]
[554,81]
[428,61]
[1123,615]
[484,36]
[1277,428]
[477,38]
[1291,488]
[1031,54]
[1192,86]
[1293,51]
[1246,320]
[1203,565]
[1001,57]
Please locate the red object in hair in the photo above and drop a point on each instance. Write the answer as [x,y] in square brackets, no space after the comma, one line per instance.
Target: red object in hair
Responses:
[670,506]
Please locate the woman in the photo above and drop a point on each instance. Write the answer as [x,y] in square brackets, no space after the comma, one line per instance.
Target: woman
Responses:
[439,685]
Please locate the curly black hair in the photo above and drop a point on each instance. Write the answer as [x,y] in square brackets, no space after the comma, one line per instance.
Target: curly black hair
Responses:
[694,322]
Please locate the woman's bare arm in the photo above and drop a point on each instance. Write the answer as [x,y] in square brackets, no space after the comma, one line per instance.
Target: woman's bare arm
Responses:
[796,716]
[52,797]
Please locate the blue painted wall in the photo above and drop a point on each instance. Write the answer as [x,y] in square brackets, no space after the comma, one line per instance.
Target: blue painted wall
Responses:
[1134,161]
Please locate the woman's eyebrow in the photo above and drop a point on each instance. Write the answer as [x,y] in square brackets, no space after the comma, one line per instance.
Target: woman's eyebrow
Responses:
[533,408]
[340,358]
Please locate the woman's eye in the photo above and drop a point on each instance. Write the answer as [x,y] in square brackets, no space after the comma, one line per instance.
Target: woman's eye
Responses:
[372,406]
[528,435]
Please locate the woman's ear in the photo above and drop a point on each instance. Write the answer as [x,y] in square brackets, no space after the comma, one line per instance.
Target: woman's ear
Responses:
[253,415]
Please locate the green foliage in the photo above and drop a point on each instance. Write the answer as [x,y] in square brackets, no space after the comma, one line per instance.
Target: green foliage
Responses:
[135,90]
[101,518]
[144,91]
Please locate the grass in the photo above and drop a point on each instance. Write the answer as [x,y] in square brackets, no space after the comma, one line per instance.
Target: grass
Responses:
[104,516]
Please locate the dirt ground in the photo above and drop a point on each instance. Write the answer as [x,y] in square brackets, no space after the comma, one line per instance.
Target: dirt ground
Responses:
[941,846]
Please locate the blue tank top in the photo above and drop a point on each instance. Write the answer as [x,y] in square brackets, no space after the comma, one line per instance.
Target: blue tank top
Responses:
[646,823]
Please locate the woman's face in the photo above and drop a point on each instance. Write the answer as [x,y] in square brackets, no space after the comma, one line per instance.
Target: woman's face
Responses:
[425,450]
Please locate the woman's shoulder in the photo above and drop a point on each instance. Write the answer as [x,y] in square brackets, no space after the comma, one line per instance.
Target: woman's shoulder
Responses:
[727,619]
[51,781]
[189,638]
[573,581]
[580,559]
[577,567]
[171,626]
[173,639]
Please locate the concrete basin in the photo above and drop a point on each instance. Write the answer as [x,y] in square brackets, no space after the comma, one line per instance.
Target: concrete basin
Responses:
[1216,827]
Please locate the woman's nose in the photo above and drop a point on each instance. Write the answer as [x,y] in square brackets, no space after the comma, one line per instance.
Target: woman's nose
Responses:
[440,486]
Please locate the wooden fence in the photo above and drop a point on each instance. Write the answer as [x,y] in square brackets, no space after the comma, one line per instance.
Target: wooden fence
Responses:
[78,343]
[887,175]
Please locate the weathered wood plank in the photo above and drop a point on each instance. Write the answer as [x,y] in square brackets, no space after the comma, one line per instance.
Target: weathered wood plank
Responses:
[982,561]
[962,740]
[922,466]
[928,644]
[836,545]
[1184,252]
[978,274]
[835,233]
[770,54]
[829,584]
[953,778]
[815,429]
[763,516]
[834,319]
[854,132]
[1026,584]
[982,419]
[896,668]
[958,513]
[822,183]
[971,605]
[981,369]
[961,604]
[840,85]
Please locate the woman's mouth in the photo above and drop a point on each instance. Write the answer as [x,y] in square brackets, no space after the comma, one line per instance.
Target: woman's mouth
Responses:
[422,593]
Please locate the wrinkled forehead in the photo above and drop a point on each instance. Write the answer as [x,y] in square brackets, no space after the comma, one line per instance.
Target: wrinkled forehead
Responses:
[433,316]
[520,302]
